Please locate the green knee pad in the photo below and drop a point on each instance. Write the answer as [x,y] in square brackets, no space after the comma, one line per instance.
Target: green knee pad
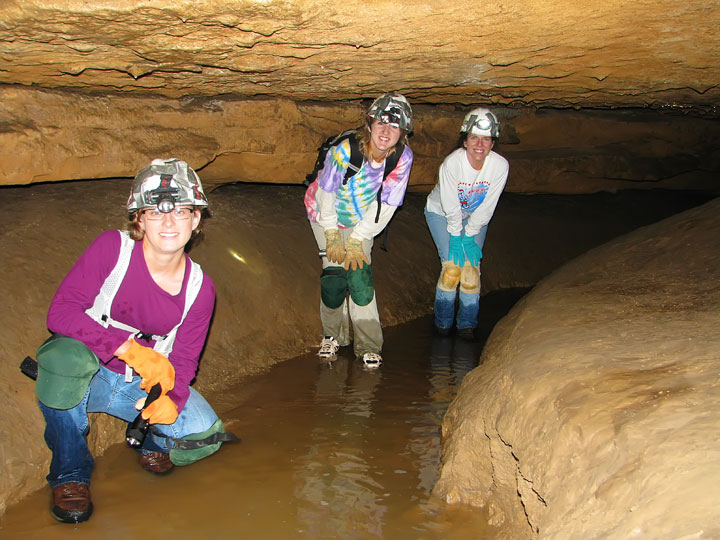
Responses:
[333,286]
[200,445]
[360,284]
[65,368]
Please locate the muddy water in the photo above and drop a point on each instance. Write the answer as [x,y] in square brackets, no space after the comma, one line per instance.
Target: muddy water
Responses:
[327,451]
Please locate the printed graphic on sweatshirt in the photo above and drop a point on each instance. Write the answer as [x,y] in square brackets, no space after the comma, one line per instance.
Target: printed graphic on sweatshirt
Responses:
[472,195]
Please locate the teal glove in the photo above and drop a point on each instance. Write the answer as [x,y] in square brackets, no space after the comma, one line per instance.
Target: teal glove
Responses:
[472,250]
[455,253]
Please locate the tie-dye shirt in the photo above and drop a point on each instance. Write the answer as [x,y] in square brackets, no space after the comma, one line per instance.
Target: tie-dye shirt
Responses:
[353,199]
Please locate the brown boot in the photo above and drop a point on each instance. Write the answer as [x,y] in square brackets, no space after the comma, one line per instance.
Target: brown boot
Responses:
[156,462]
[71,502]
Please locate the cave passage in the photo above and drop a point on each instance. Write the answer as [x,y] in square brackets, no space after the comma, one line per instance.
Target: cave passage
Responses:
[328,451]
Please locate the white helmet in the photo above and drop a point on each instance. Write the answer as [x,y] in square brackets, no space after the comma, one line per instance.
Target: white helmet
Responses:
[481,121]
[165,183]
[392,108]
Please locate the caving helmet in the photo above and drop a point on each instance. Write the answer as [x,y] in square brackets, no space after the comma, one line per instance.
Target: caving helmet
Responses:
[481,121]
[392,108]
[165,183]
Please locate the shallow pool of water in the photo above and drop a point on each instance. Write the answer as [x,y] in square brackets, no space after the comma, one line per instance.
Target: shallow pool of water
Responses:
[328,450]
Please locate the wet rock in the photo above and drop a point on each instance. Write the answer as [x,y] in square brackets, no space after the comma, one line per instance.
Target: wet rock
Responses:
[593,411]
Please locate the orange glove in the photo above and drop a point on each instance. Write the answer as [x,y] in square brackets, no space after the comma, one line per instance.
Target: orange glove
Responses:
[161,411]
[354,254]
[152,366]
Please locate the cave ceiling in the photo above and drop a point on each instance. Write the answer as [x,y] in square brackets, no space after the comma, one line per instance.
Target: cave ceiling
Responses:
[591,95]
[561,54]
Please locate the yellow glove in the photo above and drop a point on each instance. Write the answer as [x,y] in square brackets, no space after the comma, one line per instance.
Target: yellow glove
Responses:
[354,254]
[334,248]
[161,411]
[152,366]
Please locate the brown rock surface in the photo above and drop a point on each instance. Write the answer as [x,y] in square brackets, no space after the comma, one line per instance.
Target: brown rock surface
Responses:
[592,97]
[52,136]
[557,54]
[594,412]
[261,269]
[245,90]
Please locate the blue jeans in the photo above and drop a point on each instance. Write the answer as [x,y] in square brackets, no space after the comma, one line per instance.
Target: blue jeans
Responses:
[469,304]
[65,430]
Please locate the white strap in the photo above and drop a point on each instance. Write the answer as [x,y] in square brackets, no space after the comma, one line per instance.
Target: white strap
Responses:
[193,289]
[100,310]
[109,289]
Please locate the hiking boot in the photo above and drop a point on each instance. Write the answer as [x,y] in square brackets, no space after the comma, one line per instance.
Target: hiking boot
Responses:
[442,332]
[71,502]
[467,334]
[371,360]
[156,462]
[328,348]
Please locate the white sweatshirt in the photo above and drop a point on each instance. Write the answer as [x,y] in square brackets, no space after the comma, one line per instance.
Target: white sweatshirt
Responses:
[462,191]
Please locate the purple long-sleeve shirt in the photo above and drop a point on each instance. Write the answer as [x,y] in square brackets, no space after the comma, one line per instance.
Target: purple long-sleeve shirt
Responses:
[140,303]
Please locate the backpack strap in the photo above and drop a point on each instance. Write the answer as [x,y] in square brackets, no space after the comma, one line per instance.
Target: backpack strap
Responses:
[393,159]
[322,152]
[194,285]
[390,163]
[100,310]
[356,158]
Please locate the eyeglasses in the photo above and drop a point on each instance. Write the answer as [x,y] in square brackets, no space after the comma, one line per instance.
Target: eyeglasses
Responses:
[177,213]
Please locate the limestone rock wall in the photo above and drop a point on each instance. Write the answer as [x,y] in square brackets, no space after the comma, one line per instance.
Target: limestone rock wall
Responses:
[593,412]
[54,136]
[517,52]
[245,90]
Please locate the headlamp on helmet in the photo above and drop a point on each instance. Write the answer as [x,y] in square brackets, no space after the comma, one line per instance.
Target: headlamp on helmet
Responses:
[481,121]
[165,183]
[392,108]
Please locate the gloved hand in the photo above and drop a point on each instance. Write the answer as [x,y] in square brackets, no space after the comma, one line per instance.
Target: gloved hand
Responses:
[354,254]
[152,366]
[161,411]
[456,253]
[334,248]
[472,250]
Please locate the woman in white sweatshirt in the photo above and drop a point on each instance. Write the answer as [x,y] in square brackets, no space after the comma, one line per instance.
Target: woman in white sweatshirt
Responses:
[458,212]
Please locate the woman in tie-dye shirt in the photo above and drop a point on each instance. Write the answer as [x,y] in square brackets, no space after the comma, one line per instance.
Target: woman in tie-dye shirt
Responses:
[347,213]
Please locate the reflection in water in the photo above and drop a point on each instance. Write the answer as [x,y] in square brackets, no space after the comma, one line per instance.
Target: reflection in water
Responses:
[328,451]
[374,431]
[450,361]
[334,480]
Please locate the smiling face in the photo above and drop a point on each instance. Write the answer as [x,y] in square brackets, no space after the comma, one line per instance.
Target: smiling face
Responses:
[382,138]
[167,233]
[477,148]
